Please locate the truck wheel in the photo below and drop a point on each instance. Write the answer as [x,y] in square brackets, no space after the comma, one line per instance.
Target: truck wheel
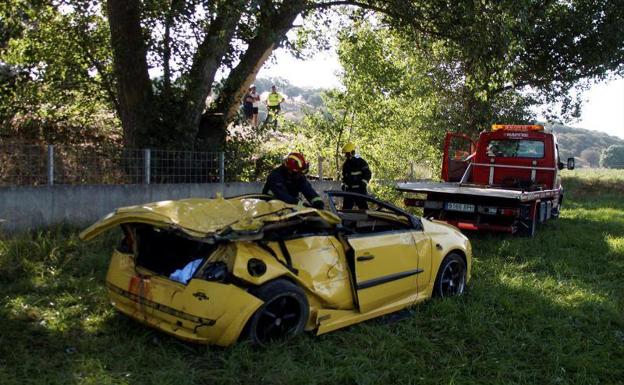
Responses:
[527,227]
[283,315]
[451,279]
[557,210]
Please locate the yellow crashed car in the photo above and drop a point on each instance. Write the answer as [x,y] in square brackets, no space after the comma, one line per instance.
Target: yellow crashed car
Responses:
[214,270]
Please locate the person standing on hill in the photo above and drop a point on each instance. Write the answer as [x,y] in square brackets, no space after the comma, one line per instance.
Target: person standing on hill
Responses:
[255,98]
[355,177]
[248,106]
[274,104]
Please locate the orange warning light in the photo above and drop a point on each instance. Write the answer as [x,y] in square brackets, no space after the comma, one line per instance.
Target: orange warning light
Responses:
[517,127]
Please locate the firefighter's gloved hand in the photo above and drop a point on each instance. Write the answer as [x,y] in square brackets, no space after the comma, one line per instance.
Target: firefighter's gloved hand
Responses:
[318,204]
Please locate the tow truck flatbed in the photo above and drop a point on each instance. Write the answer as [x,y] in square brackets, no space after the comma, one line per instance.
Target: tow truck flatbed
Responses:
[456,188]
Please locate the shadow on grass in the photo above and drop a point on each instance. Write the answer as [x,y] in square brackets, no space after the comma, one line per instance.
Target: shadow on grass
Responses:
[581,245]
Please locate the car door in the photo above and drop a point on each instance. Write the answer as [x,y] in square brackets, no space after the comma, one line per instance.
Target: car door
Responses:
[457,150]
[385,265]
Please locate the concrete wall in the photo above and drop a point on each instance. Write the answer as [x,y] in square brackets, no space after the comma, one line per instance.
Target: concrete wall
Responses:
[24,208]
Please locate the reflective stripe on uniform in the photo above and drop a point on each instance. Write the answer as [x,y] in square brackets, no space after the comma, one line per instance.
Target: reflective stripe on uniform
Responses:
[317,199]
[296,160]
[356,173]
[355,186]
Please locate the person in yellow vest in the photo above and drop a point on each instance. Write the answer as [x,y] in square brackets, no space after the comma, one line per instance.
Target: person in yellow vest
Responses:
[274,101]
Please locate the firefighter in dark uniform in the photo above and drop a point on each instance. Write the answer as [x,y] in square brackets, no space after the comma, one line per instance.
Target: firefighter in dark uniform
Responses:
[288,180]
[355,177]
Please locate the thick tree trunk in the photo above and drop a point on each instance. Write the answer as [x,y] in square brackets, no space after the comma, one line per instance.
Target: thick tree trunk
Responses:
[134,87]
[273,28]
[205,65]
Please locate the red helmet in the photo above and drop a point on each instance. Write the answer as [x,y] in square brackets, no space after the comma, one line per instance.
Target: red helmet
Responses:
[295,162]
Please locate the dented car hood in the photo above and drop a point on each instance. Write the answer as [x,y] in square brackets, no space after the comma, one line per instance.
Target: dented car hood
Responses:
[205,218]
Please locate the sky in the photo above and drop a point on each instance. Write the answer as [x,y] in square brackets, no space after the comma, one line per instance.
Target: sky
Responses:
[603,109]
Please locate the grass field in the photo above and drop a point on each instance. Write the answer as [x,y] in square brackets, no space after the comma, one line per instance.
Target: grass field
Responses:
[548,310]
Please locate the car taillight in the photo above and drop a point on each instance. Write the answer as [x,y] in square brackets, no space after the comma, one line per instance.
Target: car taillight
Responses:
[509,212]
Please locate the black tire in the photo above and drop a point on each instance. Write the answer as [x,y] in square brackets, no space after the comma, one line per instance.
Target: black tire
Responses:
[451,279]
[527,227]
[557,210]
[283,315]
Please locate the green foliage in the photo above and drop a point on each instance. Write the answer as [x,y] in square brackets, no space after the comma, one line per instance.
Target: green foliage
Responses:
[546,310]
[549,46]
[613,157]
[399,100]
[59,60]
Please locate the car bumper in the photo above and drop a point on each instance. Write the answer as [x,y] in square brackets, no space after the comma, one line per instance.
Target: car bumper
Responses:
[201,312]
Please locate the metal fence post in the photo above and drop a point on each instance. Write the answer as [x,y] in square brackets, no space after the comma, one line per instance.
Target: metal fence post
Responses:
[50,164]
[222,167]
[147,160]
[320,167]
[411,170]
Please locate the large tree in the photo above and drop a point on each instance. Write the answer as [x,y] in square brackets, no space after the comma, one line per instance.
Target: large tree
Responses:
[168,53]
[504,45]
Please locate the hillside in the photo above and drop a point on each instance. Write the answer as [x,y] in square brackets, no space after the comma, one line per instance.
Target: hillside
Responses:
[584,145]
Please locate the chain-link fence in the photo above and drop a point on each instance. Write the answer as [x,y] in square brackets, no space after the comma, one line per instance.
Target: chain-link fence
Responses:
[33,165]
[38,164]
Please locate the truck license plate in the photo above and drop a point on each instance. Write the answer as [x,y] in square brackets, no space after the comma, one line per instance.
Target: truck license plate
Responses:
[464,207]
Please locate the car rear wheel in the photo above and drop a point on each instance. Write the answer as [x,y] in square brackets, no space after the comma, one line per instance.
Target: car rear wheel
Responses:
[451,279]
[283,315]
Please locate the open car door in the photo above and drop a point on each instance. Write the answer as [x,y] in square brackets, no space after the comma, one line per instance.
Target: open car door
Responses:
[457,150]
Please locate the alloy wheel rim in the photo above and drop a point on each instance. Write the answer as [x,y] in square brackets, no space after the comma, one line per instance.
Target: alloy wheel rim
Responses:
[453,280]
[279,318]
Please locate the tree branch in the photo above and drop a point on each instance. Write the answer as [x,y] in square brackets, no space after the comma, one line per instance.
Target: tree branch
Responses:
[206,62]
[273,28]
[386,11]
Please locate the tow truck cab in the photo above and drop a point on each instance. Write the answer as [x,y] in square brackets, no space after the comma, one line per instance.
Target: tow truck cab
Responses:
[506,181]
[510,156]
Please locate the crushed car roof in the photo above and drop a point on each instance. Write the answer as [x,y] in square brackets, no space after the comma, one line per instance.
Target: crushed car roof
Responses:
[201,218]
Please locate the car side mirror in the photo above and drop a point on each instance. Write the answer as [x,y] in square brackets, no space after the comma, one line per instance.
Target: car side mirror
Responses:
[416,223]
[570,165]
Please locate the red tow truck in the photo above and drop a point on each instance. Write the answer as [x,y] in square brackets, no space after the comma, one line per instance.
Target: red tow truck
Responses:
[507,181]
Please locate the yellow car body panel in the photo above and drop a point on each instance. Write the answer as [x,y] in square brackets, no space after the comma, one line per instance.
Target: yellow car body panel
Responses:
[202,311]
[384,257]
[443,243]
[346,277]
[196,216]
[329,320]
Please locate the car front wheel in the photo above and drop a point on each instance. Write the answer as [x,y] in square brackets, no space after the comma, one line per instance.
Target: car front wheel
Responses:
[451,279]
[283,315]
